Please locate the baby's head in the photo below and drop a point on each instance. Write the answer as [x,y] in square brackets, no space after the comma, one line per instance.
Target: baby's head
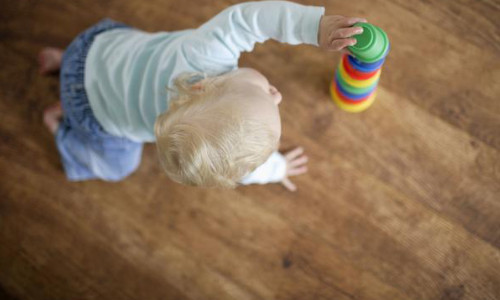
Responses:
[219,129]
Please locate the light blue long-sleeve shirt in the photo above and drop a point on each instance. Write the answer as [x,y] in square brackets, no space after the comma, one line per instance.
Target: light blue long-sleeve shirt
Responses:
[127,70]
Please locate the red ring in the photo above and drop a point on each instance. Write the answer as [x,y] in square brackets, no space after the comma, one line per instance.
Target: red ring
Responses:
[355,74]
[347,100]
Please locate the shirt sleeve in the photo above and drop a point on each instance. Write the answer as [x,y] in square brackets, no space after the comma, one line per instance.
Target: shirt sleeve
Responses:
[273,170]
[239,27]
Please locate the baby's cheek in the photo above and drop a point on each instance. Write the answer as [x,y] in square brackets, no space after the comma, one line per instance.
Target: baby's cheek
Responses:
[278,124]
[277,97]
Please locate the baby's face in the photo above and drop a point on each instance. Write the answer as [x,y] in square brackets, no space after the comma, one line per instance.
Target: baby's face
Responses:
[261,98]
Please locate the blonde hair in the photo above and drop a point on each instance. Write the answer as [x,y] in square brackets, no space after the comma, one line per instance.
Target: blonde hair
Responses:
[201,143]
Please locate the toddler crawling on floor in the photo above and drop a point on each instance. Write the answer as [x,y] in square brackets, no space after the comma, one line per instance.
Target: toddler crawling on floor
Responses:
[214,124]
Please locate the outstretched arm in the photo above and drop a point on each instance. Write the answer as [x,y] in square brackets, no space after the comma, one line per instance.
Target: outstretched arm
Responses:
[217,44]
[239,27]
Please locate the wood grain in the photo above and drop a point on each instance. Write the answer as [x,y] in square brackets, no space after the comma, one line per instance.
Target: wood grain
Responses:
[400,202]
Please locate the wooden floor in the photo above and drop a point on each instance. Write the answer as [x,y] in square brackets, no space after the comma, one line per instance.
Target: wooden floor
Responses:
[401,201]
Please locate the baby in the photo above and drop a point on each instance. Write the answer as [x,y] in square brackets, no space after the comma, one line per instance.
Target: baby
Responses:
[214,124]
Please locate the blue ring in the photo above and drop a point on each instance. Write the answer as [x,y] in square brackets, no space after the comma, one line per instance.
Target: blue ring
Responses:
[368,67]
[351,96]
[365,67]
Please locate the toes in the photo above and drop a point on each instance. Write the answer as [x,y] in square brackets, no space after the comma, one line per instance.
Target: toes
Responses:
[45,65]
[49,121]
[49,60]
[52,117]
[55,108]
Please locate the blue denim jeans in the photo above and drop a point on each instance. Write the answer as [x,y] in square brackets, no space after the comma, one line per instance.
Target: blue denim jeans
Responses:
[87,150]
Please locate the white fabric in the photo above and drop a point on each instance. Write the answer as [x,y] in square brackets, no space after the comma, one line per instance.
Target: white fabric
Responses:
[273,170]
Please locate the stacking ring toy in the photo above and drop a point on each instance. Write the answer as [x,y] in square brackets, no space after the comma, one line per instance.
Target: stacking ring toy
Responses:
[350,107]
[354,87]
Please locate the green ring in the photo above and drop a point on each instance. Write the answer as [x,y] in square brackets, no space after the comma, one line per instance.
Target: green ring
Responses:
[374,43]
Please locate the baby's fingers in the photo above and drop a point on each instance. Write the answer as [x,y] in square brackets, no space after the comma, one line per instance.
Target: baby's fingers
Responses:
[340,44]
[346,51]
[302,160]
[347,22]
[289,185]
[290,155]
[346,32]
[296,171]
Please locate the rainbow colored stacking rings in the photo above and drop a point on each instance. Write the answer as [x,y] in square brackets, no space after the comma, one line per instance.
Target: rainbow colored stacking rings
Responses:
[356,78]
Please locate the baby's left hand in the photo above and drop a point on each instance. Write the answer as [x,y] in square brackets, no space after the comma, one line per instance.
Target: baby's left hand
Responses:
[295,165]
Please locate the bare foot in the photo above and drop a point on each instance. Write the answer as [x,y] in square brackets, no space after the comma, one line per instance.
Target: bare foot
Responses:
[49,60]
[52,116]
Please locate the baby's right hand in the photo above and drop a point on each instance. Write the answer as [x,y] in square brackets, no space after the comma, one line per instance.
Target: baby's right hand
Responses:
[335,32]
[295,165]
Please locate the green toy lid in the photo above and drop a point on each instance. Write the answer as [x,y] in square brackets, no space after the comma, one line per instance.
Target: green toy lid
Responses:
[371,44]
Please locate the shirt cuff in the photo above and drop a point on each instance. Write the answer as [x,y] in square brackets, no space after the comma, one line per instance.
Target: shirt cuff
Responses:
[273,170]
[312,17]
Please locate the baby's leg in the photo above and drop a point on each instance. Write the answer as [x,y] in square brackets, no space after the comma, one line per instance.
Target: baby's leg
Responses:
[49,60]
[52,116]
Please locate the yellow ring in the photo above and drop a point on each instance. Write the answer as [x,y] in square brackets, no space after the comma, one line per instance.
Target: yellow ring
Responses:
[355,82]
[353,108]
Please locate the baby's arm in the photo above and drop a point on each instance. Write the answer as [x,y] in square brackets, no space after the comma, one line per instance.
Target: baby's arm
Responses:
[217,44]
[237,28]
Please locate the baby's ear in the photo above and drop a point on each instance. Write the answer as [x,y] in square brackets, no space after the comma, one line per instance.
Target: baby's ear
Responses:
[198,87]
[204,84]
